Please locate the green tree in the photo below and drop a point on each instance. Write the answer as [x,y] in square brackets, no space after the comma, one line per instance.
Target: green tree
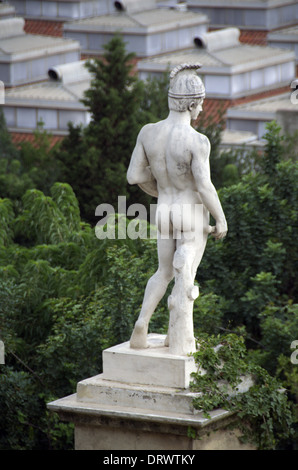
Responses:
[12,182]
[58,300]
[29,166]
[94,160]
[154,104]
[257,260]
[7,149]
[37,160]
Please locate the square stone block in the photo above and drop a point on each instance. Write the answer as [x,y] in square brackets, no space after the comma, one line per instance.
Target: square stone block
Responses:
[151,366]
[115,396]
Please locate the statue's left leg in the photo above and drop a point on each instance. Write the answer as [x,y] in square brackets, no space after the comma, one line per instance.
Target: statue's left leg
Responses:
[155,290]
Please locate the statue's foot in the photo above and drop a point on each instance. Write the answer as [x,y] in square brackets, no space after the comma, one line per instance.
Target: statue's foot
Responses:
[167,341]
[138,338]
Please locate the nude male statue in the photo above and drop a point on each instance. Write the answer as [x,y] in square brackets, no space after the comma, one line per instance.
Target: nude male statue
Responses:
[171,162]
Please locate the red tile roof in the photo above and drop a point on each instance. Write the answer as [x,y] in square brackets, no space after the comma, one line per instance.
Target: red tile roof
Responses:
[252,37]
[20,137]
[44,27]
[256,38]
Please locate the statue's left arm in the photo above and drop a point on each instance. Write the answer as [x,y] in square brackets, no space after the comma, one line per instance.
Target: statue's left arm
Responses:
[201,174]
[139,170]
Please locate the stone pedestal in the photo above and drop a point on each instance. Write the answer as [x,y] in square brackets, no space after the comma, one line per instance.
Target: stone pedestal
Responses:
[151,366]
[142,401]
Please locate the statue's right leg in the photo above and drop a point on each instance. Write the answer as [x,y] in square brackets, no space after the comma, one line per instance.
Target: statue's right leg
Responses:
[190,249]
[155,290]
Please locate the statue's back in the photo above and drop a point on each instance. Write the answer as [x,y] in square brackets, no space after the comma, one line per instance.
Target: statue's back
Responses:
[168,149]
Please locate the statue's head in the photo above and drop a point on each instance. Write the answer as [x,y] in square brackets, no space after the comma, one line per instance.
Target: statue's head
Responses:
[186,90]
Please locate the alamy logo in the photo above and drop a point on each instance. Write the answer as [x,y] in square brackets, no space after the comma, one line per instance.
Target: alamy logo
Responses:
[294,355]
[294,94]
[171,221]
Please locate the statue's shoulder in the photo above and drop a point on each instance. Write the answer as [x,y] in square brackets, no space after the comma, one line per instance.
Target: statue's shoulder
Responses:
[200,145]
[201,138]
[148,129]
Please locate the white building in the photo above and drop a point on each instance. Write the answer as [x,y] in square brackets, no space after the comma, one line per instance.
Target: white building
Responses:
[253,117]
[146,29]
[62,10]
[265,15]
[6,10]
[55,101]
[286,38]
[230,69]
[26,58]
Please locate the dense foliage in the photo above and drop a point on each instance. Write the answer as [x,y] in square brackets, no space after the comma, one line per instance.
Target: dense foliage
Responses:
[231,382]
[59,284]
[94,159]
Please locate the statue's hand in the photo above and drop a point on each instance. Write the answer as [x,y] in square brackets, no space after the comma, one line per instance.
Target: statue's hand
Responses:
[220,230]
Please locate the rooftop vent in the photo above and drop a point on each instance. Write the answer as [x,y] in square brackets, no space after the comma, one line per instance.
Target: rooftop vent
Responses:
[199,42]
[70,73]
[294,84]
[119,6]
[11,27]
[133,6]
[218,40]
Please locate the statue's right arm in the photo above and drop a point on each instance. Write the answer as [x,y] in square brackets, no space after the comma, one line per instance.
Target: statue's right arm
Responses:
[205,187]
[139,170]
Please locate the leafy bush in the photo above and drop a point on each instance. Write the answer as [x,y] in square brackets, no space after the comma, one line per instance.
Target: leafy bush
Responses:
[264,412]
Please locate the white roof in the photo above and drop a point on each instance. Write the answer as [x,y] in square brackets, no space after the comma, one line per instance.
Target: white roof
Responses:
[233,137]
[15,44]
[285,34]
[52,93]
[238,3]
[241,57]
[235,58]
[6,10]
[148,21]
[32,45]
[47,94]
[263,109]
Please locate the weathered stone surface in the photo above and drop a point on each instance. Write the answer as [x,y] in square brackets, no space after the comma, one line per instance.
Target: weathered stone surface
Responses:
[170,161]
[154,365]
[109,413]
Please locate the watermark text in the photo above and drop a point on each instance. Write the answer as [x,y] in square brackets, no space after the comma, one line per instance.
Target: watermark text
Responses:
[294,355]
[164,221]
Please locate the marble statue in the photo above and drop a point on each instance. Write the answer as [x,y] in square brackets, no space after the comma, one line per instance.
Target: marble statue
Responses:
[171,162]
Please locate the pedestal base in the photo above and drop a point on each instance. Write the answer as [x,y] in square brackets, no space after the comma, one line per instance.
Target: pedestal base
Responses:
[148,413]
[151,366]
